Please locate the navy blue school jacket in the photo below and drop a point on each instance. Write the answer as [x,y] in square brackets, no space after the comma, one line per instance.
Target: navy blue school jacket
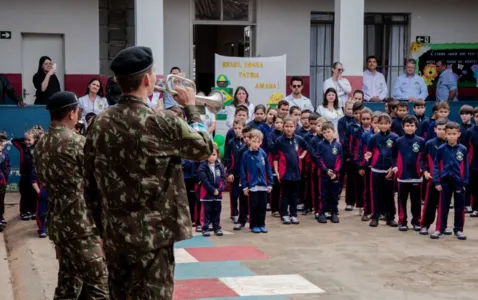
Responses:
[255,169]
[408,152]
[302,132]
[355,142]
[472,144]
[463,130]
[190,168]
[229,136]
[287,152]
[5,168]
[271,138]
[342,125]
[347,142]
[397,126]
[329,157]
[26,156]
[422,127]
[34,179]
[211,183]
[431,134]
[363,148]
[430,153]
[254,124]
[232,158]
[381,146]
[451,162]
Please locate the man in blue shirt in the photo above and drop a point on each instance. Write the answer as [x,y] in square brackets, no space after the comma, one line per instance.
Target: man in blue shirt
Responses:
[447,89]
[410,86]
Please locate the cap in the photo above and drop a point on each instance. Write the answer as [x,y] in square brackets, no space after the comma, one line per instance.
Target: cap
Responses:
[132,61]
[61,100]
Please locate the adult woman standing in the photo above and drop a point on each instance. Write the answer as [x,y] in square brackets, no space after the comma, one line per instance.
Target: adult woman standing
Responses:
[45,81]
[330,109]
[93,101]
[241,97]
[339,84]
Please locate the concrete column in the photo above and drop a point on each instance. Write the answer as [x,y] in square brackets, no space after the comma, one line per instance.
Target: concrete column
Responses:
[149,26]
[349,39]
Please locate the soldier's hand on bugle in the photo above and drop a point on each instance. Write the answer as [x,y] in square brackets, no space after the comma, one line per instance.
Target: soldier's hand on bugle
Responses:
[186,96]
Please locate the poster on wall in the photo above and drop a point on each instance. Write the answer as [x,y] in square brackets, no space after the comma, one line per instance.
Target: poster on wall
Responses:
[461,60]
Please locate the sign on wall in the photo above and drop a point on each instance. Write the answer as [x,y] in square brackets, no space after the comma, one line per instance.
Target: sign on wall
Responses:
[5,35]
[263,77]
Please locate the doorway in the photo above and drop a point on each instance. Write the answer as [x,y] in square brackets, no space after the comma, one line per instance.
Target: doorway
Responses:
[35,46]
[208,40]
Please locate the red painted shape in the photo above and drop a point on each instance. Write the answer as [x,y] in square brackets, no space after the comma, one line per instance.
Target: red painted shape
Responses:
[305,90]
[201,288]
[226,253]
[16,81]
[356,82]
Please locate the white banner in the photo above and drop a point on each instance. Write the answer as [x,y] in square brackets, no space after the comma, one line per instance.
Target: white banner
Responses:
[263,77]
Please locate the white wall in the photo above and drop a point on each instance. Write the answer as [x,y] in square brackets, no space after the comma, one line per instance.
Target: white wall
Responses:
[177,35]
[77,20]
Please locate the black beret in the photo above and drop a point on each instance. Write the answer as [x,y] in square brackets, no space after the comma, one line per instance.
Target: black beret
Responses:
[132,61]
[61,100]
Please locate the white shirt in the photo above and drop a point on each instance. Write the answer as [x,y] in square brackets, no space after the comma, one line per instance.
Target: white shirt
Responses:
[153,103]
[213,170]
[208,118]
[96,106]
[342,87]
[303,102]
[374,85]
[231,111]
[332,116]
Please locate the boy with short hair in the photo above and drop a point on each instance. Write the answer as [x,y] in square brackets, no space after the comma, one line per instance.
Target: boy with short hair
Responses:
[242,113]
[423,122]
[309,166]
[283,108]
[391,107]
[472,144]
[450,175]
[315,180]
[347,119]
[407,157]
[304,121]
[294,112]
[256,178]
[466,114]
[329,161]
[402,111]
[443,110]
[289,150]
[243,200]
[380,159]
[428,164]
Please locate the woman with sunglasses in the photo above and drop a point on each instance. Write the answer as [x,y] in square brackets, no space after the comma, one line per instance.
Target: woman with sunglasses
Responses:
[339,84]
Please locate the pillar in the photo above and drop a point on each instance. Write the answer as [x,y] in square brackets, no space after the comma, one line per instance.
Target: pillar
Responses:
[149,29]
[349,39]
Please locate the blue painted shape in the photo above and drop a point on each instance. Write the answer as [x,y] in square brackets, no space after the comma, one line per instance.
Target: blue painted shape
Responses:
[208,270]
[250,298]
[195,242]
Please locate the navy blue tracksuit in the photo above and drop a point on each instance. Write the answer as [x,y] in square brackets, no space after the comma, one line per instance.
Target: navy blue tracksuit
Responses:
[408,154]
[42,204]
[256,175]
[232,161]
[329,157]
[397,127]
[422,128]
[382,198]
[342,127]
[27,193]
[275,195]
[350,144]
[191,180]
[314,143]
[432,196]
[211,204]
[362,165]
[472,144]
[287,151]
[451,172]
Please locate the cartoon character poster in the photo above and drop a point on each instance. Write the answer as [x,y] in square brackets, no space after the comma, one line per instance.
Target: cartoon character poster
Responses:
[461,60]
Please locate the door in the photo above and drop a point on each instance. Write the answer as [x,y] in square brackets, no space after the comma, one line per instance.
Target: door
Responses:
[35,46]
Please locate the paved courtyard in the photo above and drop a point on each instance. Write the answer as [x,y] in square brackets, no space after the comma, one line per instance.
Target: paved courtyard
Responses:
[349,260]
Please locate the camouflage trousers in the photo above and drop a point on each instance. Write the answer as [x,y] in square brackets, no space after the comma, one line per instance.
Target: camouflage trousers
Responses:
[141,276]
[82,265]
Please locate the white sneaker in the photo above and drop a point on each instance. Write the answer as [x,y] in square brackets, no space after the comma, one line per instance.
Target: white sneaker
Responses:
[268,207]
[328,215]
[360,211]
[235,219]
[468,210]
[300,206]
[286,220]
[294,220]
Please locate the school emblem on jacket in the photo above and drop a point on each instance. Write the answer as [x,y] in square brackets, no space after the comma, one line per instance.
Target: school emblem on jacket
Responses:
[218,173]
[459,155]
[334,151]
[415,147]
[263,161]
[389,143]
[296,146]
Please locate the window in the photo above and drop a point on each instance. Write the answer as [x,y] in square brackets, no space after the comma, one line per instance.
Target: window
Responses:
[321,54]
[223,10]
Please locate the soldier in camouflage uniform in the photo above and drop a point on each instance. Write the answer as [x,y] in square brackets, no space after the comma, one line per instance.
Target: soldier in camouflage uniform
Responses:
[58,158]
[133,171]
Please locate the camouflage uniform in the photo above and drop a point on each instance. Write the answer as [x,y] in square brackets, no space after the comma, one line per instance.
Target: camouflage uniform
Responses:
[133,172]
[58,158]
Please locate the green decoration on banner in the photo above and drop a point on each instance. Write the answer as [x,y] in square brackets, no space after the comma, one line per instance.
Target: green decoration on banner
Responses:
[219,140]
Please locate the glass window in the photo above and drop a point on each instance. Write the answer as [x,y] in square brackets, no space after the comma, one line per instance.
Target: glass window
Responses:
[236,10]
[208,9]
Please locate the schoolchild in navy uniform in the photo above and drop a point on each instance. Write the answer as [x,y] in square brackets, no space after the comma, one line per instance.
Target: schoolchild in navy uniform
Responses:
[432,196]
[304,122]
[402,111]
[5,169]
[28,195]
[342,126]
[256,178]
[259,117]
[450,176]
[309,166]
[466,115]
[295,113]
[191,180]
[423,122]
[380,159]
[362,166]
[289,150]
[242,113]
[243,200]
[42,204]
[231,163]
[330,160]
[268,125]
[350,144]
[273,136]
[315,180]
[472,144]
[211,175]
[408,151]
[304,197]
[283,109]
[442,111]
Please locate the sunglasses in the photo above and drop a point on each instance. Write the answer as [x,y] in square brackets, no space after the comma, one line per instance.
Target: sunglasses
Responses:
[296,86]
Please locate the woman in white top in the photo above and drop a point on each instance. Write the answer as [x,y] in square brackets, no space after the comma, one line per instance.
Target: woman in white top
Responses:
[241,97]
[330,109]
[93,101]
[339,84]
[209,120]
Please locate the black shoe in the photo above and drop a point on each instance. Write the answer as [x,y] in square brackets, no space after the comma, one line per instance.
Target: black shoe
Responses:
[322,219]
[402,227]
[423,231]
[416,227]
[373,223]
[335,219]
[218,232]
[25,217]
[206,233]
[447,232]
[365,218]
[392,223]
[460,235]
[306,212]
